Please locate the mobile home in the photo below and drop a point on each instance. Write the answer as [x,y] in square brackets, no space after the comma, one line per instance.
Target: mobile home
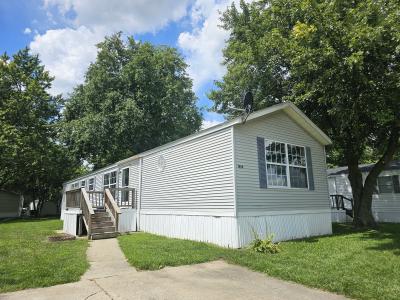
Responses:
[267,174]
[385,200]
[10,204]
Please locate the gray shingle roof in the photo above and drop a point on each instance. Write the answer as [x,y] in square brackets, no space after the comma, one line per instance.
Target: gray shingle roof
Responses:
[394,165]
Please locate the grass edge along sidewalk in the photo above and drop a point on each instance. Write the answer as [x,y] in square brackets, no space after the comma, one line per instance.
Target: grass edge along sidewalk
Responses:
[358,264]
[29,260]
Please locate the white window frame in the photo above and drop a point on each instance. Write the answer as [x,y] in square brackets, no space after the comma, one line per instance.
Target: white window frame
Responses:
[84,183]
[91,185]
[289,185]
[122,177]
[125,194]
[378,187]
[109,184]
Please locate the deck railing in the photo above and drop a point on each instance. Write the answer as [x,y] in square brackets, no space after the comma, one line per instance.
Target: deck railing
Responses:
[96,198]
[341,202]
[73,198]
[112,206]
[125,197]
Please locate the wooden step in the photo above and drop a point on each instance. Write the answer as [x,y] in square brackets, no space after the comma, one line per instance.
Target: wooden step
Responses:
[103,229]
[100,219]
[102,213]
[102,224]
[104,235]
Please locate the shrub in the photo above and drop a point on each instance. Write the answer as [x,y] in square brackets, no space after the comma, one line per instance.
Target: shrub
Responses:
[264,245]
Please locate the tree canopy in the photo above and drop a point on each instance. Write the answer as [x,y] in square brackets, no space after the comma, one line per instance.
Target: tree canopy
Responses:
[32,162]
[136,96]
[337,60]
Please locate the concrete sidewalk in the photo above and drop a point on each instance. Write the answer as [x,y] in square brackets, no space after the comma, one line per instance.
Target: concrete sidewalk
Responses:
[111,277]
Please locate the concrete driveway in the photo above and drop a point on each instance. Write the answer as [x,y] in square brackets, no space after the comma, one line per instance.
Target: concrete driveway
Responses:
[110,277]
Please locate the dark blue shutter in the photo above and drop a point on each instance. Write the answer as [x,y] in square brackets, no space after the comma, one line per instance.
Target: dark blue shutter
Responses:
[396,183]
[310,169]
[262,170]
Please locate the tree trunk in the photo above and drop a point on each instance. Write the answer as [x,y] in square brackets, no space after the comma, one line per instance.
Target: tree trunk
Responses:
[362,192]
[362,197]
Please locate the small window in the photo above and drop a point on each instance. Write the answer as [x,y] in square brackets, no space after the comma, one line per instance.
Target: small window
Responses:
[286,165]
[297,166]
[91,184]
[385,184]
[106,179]
[83,183]
[110,180]
[125,184]
[275,153]
[125,177]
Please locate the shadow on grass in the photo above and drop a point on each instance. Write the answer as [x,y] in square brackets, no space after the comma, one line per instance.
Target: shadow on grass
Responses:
[24,220]
[385,238]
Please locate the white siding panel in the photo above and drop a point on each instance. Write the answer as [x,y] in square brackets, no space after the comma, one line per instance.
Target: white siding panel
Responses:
[385,206]
[127,220]
[250,197]
[339,216]
[70,221]
[221,231]
[343,186]
[292,225]
[198,176]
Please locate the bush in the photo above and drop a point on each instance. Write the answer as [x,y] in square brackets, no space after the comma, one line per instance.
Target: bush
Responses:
[264,245]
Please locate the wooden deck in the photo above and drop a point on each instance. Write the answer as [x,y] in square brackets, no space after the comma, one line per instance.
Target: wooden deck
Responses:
[101,210]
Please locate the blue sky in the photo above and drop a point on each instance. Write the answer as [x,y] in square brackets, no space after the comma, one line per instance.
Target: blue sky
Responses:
[64,34]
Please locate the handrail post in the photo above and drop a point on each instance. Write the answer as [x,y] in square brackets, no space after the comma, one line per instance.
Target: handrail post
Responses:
[87,210]
[110,203]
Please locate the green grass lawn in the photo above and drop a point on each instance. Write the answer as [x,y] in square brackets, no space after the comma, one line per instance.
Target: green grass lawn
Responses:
[28,260]
[358,264]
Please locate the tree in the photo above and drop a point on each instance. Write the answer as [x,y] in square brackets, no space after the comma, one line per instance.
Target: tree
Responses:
[135,97]
[337,60]
[32,162]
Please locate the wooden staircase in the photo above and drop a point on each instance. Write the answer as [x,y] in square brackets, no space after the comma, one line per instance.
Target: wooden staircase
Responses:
[100,212]
[102,225]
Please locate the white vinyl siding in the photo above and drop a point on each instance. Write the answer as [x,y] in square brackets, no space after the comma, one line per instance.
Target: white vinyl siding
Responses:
[197,177]
[382,203]
[250,197]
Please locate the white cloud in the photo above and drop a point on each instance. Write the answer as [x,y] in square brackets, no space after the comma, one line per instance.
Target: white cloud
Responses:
[67,52]
[27,30]
[122,15]
[203,45]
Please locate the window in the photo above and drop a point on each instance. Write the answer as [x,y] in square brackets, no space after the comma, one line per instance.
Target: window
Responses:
[385,184]
[297,166]
[83,183]
[125,183]
[110,180]
[91,184]
[125,177]
[286,165]
[275,153]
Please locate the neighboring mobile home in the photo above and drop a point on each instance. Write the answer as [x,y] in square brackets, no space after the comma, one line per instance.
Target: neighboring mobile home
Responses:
[10,204]
[218,185]
[385,201]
